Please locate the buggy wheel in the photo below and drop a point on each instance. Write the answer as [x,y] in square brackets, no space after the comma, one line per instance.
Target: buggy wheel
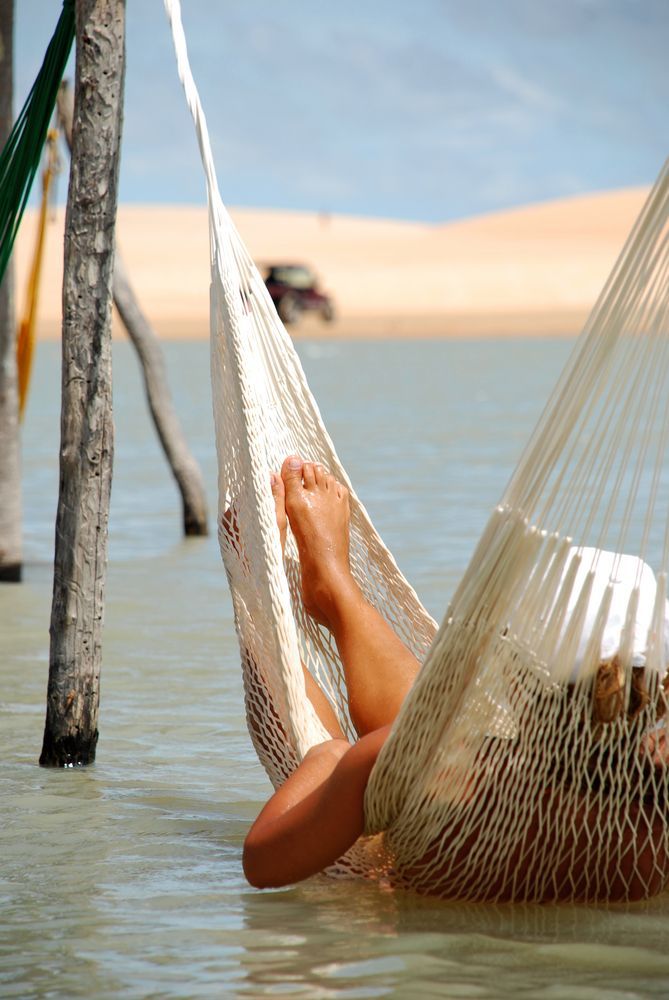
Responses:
[289,308]
[328,312]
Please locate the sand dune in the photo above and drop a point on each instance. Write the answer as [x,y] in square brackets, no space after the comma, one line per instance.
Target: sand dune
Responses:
[533,270]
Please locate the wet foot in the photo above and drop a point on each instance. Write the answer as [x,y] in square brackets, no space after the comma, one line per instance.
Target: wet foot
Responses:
[318,511]
[279,496]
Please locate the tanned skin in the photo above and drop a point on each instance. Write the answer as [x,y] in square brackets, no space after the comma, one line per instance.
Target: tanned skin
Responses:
[317,814]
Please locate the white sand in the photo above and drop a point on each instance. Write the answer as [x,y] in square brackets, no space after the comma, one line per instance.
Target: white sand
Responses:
[533,270]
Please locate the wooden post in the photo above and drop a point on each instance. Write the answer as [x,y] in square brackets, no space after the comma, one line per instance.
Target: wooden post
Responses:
[10,468]
[87,438]
[184,467]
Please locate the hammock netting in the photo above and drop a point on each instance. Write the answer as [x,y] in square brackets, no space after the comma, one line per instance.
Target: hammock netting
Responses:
[526,761]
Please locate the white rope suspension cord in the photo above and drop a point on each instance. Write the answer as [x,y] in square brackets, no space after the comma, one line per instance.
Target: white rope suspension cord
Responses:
[593,351]
[591,623]
[263,410]
[226,296]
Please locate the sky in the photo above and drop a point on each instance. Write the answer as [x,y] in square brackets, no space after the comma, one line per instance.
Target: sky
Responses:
[422,109]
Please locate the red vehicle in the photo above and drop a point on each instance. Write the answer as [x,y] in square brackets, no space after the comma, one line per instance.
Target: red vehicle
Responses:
[294,290]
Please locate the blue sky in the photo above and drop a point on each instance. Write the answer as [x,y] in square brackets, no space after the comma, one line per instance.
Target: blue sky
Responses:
[422,109]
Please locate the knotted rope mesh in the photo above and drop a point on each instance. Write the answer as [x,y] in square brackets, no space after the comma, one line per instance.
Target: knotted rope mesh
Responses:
[538,775]
[525,763]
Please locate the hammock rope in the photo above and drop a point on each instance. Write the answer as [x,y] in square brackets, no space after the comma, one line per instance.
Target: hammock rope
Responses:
[521,765]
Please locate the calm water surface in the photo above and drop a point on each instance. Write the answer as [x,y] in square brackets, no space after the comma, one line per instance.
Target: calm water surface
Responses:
[125,879]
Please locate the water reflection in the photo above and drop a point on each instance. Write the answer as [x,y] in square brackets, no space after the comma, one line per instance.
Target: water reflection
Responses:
[125,879]
[368,942]
[55,848]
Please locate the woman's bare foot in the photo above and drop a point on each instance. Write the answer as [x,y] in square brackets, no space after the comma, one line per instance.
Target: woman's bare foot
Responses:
[318,511]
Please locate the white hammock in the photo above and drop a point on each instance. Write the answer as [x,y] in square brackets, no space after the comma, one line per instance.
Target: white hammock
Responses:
[519,766]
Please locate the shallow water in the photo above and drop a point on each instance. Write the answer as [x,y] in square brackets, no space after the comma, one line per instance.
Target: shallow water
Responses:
[125,879]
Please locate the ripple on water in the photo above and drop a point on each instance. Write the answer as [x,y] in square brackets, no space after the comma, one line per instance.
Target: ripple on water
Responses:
[125,879]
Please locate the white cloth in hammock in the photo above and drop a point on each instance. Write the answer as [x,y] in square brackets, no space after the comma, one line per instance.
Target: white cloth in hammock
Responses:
[623,573]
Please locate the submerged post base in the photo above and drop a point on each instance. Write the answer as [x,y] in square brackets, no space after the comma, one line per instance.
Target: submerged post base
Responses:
[11,573]
[74,750]
[195,523]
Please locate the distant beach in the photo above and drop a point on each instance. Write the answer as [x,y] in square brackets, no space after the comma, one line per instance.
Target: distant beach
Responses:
[534,270]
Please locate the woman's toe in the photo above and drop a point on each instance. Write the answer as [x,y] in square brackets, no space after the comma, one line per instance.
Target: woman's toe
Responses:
[279,496]
[320,475]
[309,475]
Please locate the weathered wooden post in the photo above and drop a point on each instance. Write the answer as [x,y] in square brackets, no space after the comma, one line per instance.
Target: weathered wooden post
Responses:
[184,467]
[87,437]
[10,469]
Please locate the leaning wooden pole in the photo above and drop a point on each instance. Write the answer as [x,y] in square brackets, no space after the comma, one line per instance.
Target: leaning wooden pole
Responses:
[184,467]
[87,436]
[10,469]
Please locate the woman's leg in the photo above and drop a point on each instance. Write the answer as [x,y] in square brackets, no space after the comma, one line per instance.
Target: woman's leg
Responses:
[316,815]
[315,694]
[378,667]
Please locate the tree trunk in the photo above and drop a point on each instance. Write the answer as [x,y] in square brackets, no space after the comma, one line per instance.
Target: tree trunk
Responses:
[10,467]
[87,435]
[184,467]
